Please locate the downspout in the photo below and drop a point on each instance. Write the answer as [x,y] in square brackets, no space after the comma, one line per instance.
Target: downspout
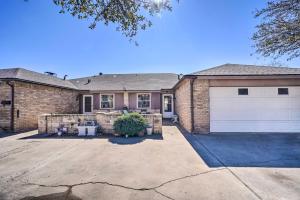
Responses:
[174,103]
[192,103]
[46,124]
[12,107]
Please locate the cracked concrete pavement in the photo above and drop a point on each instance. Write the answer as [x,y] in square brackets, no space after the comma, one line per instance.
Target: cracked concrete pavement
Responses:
[107,168]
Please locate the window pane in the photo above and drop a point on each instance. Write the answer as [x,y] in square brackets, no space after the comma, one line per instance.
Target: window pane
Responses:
[140,104]
[144,97]
[143,100]
[167,103]
[110,97]
[144,104]
[104,97]
[147,97]
[243,91]
[107,101]
[283,91]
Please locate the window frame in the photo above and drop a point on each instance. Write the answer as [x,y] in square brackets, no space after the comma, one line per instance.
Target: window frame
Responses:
[92,103]
[243,89]
[137,100]
[288,92]
[102,94]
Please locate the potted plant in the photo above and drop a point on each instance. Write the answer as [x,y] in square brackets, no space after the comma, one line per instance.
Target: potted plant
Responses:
[149,129]
[59,133]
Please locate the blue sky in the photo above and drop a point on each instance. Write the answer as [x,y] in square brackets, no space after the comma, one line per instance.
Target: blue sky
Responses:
[198,34]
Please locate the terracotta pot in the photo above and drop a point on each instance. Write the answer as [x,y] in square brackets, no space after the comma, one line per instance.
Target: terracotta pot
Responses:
[141,133]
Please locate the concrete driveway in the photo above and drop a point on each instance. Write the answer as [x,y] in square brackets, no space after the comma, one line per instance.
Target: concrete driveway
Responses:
[267,164]
[166,167]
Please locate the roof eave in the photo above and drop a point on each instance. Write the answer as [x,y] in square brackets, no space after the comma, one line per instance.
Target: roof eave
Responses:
[188,76]
[121,91]
[250,76]
[265,76]
[39,83]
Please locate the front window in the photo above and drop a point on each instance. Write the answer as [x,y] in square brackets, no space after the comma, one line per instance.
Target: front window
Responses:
[144,100]
[107,101]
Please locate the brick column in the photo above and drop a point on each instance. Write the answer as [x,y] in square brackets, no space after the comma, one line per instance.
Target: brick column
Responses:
[201,106]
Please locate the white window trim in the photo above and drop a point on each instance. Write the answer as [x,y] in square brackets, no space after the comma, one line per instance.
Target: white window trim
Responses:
[137,101]
[114,104]
[92,103]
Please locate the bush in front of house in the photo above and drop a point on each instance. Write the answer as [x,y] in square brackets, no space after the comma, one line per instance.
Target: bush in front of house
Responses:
[131,124]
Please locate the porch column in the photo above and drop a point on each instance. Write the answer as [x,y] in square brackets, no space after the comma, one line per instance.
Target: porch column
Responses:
[126,99]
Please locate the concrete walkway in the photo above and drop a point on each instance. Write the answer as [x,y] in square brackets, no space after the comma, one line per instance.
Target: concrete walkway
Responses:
[166,167]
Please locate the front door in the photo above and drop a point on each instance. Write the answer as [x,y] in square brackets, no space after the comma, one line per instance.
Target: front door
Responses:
[87,103]
[167,105]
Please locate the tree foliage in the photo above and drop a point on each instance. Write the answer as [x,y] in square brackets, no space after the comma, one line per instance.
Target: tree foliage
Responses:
[279,32]
[130,16]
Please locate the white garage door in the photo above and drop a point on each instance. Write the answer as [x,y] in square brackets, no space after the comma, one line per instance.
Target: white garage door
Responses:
[255,109]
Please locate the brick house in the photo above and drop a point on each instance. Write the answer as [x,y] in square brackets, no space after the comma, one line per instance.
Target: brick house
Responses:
[227,98]
[26,94]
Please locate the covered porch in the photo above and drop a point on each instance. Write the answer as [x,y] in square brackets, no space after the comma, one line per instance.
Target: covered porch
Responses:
[143,102]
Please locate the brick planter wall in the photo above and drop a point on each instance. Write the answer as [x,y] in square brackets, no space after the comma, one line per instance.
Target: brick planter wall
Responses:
[49,123]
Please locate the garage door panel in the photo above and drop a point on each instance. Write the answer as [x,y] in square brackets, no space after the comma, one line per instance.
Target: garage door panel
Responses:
[245,110]
[274,115]
[255,126]
[259,111]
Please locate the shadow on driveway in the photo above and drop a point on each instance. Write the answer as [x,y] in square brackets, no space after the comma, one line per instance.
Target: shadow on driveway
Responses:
[280,150]
[112,139]
[4,134]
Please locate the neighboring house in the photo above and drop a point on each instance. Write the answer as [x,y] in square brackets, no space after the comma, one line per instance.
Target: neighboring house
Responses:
[25,94]
[227,98]
[240,98]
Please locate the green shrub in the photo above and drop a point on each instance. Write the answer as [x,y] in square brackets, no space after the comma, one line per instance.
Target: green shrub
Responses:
[130,124]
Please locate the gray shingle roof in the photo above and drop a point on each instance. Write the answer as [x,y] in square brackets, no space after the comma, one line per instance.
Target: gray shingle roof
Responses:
[247,70]
[149,81]
[30,76]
